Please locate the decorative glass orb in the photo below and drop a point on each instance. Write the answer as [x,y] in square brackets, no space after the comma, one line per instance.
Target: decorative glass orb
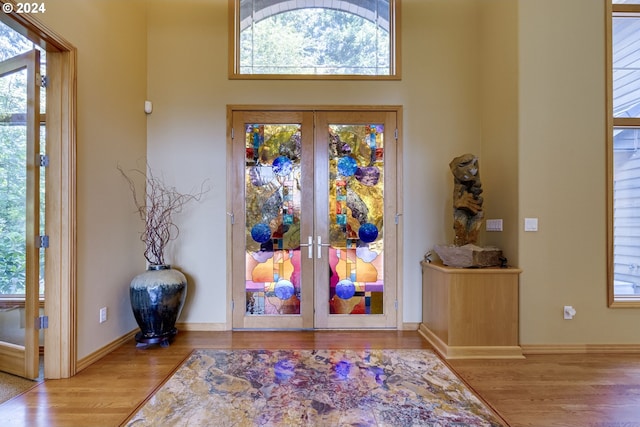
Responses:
[347,166]
[282,166]
[345,289]
[368,232]
[284,289]
[261,232]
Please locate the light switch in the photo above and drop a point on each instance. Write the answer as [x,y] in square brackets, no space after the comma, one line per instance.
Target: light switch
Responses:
[531,224]
[494,225]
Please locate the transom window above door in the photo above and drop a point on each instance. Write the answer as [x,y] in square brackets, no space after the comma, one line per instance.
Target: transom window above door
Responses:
[314,39]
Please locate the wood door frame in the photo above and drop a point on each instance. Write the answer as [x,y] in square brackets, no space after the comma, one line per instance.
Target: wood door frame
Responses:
[60,338]
[23,360]
[231,108]
[305,118]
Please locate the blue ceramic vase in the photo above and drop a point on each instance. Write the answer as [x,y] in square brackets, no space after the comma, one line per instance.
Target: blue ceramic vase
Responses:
[157,298]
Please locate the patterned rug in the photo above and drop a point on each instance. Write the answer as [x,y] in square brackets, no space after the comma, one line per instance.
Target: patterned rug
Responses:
[314,388]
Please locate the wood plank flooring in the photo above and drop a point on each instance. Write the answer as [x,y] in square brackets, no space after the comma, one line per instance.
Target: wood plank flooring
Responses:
[541,390]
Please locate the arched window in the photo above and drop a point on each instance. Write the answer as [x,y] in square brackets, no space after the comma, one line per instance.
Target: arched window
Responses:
[314,39]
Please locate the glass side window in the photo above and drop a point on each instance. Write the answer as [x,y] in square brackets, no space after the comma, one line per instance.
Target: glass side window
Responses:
[624,154]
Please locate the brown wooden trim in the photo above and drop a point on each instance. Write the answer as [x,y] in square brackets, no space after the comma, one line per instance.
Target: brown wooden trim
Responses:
[629,302]
[621,8]
[205,327]
[531,349]
[60,274]
[29,26]
[6,303]
[469,352]
[622,122]
[296,107]
[611,123]
[103,351]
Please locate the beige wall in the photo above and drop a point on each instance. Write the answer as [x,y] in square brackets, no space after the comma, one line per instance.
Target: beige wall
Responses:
[189,87]
[562,175]
[499,153]
[110,36]
[520,83]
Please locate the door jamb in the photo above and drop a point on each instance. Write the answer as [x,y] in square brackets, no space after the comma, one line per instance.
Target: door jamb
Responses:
[60,338]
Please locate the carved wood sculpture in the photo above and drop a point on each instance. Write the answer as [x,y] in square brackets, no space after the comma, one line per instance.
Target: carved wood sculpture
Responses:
[467,199]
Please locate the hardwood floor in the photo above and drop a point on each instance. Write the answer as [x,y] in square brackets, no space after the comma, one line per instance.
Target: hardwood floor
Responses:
[541,391]
[581,390]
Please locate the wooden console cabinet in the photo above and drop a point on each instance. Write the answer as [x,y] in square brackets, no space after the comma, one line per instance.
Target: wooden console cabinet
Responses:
[471,312]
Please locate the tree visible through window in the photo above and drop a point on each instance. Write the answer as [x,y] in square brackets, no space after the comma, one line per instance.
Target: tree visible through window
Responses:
[315,38]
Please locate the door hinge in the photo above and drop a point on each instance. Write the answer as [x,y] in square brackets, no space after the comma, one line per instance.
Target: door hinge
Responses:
[396,134]
[397,218]
[43,241]
[42,322]
[396,304]
[232,217]
[44,160]
[44,81]
[231,133]
[233,305]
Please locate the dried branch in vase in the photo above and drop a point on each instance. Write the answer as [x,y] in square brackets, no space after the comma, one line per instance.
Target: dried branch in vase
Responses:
[156,208]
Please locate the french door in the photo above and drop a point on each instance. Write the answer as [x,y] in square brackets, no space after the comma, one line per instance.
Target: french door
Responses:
[19,219]
[313,207]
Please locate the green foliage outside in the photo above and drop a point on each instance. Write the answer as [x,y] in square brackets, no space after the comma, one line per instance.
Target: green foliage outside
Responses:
[13,180]
[314,41]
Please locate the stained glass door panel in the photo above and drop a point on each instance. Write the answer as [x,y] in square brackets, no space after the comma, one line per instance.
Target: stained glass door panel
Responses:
[354,219]
[272,196]
[278,212]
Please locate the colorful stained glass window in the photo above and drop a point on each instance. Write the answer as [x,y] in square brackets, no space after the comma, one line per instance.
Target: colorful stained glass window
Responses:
[356,211]
[272,185]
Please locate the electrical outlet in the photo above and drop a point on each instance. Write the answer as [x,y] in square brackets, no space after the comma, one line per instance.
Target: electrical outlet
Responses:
[569,312]
[103,314]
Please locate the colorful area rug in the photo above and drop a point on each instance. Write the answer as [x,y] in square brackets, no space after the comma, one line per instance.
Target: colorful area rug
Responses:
[314,388]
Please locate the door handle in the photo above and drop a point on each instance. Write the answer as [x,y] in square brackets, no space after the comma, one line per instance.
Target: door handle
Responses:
[310,246]
[320,245]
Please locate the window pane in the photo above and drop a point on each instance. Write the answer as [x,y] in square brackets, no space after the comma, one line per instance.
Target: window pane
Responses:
[356,212]
[301,38]
[626,2]
[273,204]
[13,182]
[626,66]
[626,212]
